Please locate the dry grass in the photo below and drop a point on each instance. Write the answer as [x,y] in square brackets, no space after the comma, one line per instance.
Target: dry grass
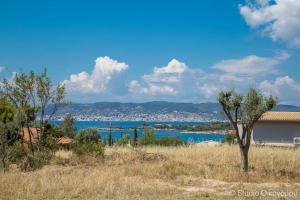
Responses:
[196,172]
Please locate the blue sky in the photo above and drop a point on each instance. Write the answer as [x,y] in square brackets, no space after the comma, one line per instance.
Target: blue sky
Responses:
[135,51]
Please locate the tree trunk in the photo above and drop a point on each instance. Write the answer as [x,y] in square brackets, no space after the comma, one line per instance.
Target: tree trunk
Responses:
[244,159]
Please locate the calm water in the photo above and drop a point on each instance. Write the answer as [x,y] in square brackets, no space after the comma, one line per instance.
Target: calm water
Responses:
[189,137]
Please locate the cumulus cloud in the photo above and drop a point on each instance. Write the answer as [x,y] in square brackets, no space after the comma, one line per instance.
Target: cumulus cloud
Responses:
[239,73]
[162,81]
[284,87]
[97,81]
[279,86]
[176,79]
[279,19]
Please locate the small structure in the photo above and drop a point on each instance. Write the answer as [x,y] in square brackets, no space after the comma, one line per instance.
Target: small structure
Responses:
[65,141]
[34,133]
[277,129]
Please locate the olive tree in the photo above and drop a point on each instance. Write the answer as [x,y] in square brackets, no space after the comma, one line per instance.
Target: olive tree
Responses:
[244,111]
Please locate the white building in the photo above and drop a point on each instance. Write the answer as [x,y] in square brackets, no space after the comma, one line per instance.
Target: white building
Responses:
[278,129]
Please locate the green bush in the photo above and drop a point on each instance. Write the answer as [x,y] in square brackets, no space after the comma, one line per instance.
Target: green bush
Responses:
[124,140]
[170,141]
[37,161]
[17,152]
[95,149]
[148,137]
[230,137]
[88,135]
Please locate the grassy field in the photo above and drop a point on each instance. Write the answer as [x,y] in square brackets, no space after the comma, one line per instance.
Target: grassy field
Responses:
[194,172]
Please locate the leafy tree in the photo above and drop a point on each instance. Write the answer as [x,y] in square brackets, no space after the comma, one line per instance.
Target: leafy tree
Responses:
[31,94]
[148,137]
[68,127]
[88,135]
[135,137]
[8,131]
[244,111]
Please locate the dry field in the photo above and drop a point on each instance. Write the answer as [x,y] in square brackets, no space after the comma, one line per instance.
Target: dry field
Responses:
[195,172]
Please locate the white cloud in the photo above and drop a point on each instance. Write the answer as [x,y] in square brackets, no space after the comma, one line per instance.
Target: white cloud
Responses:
[251,65]
[279,19]
[280,86]
[97,81]
[208,90]
[162,81]
[176,79]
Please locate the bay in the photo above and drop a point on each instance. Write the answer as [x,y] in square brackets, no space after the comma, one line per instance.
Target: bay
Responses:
[128,125]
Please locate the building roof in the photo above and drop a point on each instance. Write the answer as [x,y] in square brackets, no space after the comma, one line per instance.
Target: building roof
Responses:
[34,133]
[65,140]
[281,116]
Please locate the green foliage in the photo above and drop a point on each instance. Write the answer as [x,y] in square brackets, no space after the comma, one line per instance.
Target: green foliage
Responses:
[91,148]
[37,161]
[135,137]
[211,126]
[148,137]
[245,110]
[17,152]
[88,135]
[170,141]
[68,127]
[110,139]
[230,138]
[124,140]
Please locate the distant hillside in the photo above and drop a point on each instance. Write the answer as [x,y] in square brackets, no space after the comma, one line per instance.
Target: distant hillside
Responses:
[207,111]
[287,108]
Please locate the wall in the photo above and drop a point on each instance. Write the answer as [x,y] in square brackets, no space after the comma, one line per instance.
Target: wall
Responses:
[276,132]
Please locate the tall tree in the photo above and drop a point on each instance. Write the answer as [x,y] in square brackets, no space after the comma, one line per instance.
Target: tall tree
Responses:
[110,139]
[68,127]
[31,93]
[8,131]
[244,111]
[135,137]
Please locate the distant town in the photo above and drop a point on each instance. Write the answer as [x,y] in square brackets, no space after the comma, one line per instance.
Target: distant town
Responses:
[170,117]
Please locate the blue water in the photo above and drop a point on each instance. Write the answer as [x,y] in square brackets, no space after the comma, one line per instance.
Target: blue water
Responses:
[189,137]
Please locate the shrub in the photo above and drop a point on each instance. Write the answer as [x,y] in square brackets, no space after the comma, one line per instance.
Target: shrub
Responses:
[17,152]
[171,141]
[124,140]
[88,135]
[95,149]
[37,161]
[230,138]
[148,137]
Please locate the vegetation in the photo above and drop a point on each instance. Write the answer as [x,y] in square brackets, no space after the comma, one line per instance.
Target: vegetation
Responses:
[244,110]
[230,138]
[88,135]
[68,127]
[194,172]
[148,137]
[135,137]
[170,141]
[211,126]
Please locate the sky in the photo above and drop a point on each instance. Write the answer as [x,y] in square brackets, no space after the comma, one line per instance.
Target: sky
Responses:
[138,51]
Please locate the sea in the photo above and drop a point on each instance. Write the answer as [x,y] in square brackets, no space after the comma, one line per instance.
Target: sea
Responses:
[128,125]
